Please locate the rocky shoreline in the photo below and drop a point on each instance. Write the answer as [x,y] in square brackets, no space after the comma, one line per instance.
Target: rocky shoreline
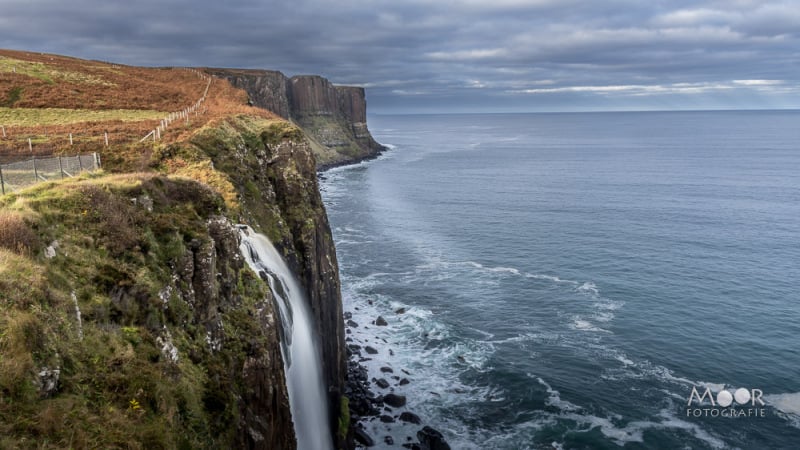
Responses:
[321,168]
[386,406]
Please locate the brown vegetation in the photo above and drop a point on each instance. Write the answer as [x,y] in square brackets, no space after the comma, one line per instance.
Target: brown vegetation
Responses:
[15,234]
[35,80]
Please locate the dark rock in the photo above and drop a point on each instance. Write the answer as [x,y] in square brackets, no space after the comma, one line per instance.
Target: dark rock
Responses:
[386,419]
[391,352]
[404,382]
[394,400]
[351,323]
[385,369]
[400,311]
[348,315]
[363,438]
[414,446]
[410,417]
[388,440]
[382,383]
[432,439]
[381,322]
[371,350]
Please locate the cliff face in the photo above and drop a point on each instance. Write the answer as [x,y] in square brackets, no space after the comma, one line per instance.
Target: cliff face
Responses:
[148,327]
[128,314]
[273,168]
[333,117]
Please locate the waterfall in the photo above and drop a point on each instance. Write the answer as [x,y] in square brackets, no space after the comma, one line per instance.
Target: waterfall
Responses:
[301,354]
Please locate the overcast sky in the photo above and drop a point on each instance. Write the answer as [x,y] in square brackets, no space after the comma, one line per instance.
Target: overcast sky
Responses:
[455,55]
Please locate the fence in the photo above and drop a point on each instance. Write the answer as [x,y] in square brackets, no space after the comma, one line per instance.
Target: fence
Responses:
[21,174]
[182,114]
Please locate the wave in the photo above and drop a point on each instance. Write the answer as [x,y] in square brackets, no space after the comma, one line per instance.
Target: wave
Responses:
[787,406]
[585,325]
[621,434]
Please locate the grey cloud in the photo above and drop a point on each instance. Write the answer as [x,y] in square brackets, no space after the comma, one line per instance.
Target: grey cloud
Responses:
[459,54]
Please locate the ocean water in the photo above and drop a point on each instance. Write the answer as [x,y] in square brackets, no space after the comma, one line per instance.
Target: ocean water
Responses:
[568,279]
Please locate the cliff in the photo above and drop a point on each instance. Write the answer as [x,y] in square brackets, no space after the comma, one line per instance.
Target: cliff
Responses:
[129,317]
[333,117]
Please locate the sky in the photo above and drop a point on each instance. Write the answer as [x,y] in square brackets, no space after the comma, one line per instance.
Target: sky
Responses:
[454,55]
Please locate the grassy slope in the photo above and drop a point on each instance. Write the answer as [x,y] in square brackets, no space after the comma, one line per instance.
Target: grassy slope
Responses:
[127,102]
[116,390]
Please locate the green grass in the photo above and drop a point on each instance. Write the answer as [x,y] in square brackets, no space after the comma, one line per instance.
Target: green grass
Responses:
[12,97]
[55,116]
[116,390]
[47,73]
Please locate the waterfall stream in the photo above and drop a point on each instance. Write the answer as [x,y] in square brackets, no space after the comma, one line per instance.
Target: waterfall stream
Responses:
[301,353]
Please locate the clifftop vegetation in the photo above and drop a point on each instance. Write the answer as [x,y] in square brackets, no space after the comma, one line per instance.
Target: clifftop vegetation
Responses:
[127,316]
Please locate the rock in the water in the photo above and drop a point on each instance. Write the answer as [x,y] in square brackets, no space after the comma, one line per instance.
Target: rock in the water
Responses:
[404,382]
[363,438]
[410,417]
[388,440]
[382,383]
[371,350]
[348,315]
[380,321]
[385,369]
[386,418]
[400,311]
[432,439]
[394,400]
[351,323]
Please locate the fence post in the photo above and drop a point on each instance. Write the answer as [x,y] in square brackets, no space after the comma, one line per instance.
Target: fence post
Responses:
[2,182]
[70,139]
[4,131]
[96,160]
[30,145]
[61,167]
[80,164]
[106,136]
[35,173]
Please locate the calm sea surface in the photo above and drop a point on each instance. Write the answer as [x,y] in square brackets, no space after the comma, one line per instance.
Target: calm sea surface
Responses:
[569,278]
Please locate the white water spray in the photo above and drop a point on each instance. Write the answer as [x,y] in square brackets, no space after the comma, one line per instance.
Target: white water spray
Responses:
[301,354]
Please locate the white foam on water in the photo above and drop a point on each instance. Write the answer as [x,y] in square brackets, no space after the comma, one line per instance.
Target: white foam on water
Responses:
[554,397]
[555,279]
[588,288]
[788,403]
[787,406]
[624,360]
[498,269]
[584,325]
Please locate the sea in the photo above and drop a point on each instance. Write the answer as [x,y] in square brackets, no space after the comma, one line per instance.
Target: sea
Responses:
[578,280]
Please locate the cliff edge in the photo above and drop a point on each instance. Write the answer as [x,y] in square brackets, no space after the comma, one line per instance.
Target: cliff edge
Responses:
[128,317]
[333,117]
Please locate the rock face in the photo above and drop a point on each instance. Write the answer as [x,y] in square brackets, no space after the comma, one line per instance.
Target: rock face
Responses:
[274,171]
[334,117]
[170,340]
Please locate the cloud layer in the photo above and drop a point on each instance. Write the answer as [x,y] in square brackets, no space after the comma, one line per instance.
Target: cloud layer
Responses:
[457,55]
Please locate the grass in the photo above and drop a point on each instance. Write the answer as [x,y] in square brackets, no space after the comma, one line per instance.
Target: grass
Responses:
[116,257]
[116,389]
[30,117]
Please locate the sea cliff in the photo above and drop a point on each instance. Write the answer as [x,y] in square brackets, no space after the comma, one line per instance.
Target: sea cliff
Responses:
[128,317]
[333,117]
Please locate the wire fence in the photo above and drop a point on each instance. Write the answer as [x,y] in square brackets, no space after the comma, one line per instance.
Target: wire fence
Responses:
[21,174]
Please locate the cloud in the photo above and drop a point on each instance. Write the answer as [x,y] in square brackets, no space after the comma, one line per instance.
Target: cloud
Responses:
[460,53]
